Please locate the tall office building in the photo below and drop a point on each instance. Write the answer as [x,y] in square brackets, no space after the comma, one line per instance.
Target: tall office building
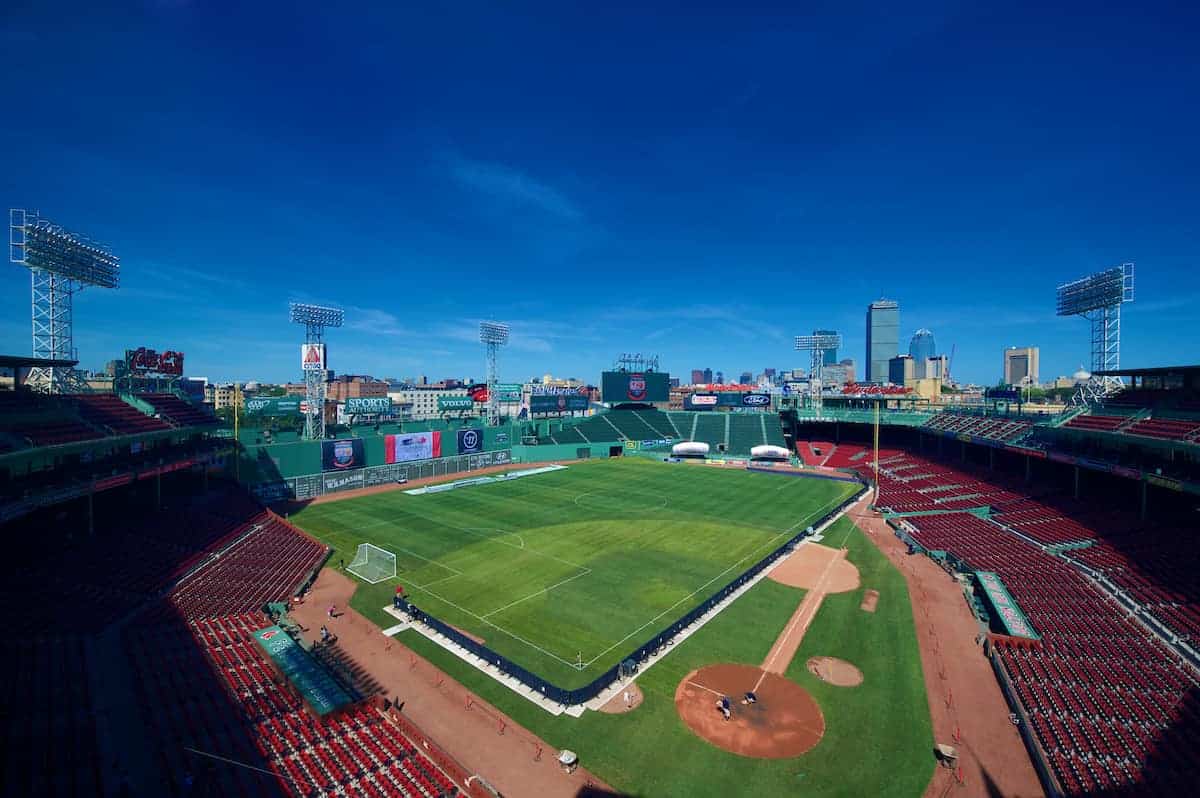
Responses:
[697,376]
[922,347]
[901,369]
[707,376]
[1021,365]
[720,378]
[883,338]
[745,378]
[830,355]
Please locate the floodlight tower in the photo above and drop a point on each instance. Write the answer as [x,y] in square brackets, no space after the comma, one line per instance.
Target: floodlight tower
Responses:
[818,345]
[315,319]
[493,335]
[61,264]
[1098,298]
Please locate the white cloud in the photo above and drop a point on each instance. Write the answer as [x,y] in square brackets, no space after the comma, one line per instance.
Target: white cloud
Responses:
[513,185]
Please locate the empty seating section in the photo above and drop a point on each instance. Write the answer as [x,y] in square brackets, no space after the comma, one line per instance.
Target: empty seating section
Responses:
[1108,702]
[220,694]
[1165,428]
[631,425]
[991,427]
[178,411]
[94,580]
[745,432]
[815,453]
[1097,423]
[111,412]
[1156,565]
[46,710]
[265,565]
[41,421]
[710,429]
[683,421]
[774,430]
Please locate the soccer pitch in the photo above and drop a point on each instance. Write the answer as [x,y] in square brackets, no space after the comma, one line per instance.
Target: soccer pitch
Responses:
[566,572]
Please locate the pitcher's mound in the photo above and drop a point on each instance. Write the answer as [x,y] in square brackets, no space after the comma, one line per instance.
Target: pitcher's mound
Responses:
[784,722]
[618,703]
[810,566]
[836,671]
[870,601]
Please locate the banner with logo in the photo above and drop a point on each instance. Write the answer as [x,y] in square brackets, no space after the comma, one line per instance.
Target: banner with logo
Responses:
[312,357]
[272,406]
[561,403]
[448,403]
[470,441]
[756,400]
[635,386]
[409,446]
[368,405]
[342,455]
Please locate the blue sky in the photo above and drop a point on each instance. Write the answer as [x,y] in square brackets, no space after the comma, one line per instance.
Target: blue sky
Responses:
[700,184]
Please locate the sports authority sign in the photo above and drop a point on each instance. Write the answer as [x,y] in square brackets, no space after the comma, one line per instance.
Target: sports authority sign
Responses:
[312,357]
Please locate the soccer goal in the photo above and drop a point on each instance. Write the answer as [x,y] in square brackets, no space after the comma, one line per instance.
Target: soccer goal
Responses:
[373,564]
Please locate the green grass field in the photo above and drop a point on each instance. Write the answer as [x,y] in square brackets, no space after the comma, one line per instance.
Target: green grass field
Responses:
[576,567]
[878,737]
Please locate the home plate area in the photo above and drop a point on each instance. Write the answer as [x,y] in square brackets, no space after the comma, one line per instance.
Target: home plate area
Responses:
[783,722]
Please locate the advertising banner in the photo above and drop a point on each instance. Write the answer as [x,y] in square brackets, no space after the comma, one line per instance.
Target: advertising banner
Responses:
[347,481]
[561,403]
[470,441]
[635,386]
[342,455]
[700,401]
[368,405]
[272,406]
[555,390]
[756,400]
[409,446]
[147,361]
[447,403]
[312,357]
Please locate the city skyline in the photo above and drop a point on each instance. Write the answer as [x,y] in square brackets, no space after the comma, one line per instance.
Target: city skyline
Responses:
[424,200]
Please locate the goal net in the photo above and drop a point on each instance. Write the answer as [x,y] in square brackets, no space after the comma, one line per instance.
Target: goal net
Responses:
[373,564]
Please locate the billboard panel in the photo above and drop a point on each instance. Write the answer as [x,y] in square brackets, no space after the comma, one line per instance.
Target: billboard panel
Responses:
[410,446]
[470,441]
[562,403]
[700,401]
[635,386]
[756,400]
[272,406]
[368,405]
[347,481]
[455,403]
[147,361]
[312,357]
[342,455]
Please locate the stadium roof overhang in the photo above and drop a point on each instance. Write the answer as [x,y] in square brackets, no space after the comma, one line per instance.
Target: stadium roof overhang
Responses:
[25,361]
[1157,371]
[1160,377]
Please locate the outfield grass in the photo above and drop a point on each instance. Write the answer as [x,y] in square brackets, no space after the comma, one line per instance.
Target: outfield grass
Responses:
[878,738]
[565,573]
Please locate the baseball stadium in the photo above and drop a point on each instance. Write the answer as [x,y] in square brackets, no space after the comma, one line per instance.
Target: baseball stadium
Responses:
[587,591]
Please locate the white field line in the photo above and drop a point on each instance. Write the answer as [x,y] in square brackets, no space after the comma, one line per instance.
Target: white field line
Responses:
[766,547]
[584,572]
[803,616]
[501,629]
[709,689]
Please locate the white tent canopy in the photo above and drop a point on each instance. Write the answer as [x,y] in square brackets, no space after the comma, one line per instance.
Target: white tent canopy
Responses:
[690,449]
[768,452]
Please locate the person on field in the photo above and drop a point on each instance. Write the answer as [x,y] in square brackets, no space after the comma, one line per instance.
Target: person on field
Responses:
[332,609]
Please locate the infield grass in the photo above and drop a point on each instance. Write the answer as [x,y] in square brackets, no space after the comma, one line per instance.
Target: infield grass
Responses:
[567,572]
[878,736]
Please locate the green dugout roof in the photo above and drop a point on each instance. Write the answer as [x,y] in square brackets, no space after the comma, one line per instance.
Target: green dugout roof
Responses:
[315,684]
[1004,608]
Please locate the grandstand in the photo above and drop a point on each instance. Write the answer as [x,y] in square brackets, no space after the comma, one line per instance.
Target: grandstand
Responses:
[1110,697]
